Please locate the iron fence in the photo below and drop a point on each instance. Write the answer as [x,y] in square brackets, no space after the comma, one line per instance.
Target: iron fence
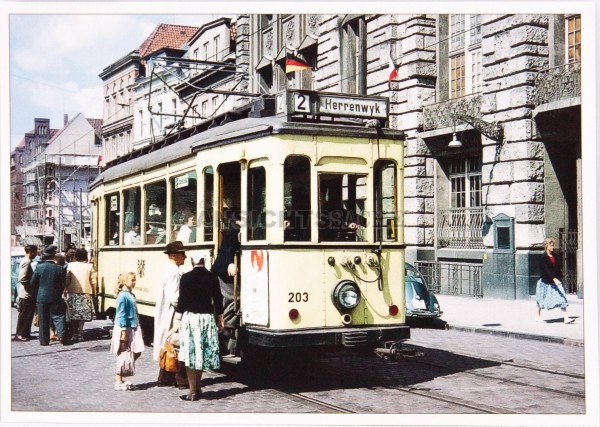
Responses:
[452,278]
[568,244]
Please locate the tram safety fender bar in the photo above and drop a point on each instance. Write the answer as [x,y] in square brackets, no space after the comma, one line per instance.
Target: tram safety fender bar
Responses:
[397,350]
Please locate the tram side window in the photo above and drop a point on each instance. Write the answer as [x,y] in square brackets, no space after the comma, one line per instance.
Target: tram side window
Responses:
[155,205]
[257,214]
[385,201]
[342,201]
[112,219]
[207,206]
[131,219]
[296,199]
[184,192]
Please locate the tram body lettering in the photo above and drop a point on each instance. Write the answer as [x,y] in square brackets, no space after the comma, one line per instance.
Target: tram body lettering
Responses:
[298,297]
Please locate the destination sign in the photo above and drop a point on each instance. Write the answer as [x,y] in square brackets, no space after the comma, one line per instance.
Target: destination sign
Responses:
[353,107]
[338,105]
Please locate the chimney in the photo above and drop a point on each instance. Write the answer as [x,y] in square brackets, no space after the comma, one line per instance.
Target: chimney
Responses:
[66,119]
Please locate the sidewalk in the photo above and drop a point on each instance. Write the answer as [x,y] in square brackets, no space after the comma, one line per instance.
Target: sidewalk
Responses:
[514,318]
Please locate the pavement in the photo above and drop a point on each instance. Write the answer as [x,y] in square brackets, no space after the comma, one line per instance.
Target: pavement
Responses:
[513,318]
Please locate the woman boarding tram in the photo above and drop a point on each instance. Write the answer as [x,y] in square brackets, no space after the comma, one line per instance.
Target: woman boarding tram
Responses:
[318,206]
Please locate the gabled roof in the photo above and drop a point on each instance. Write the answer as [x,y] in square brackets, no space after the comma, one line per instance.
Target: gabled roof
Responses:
[97,125]
[167,35]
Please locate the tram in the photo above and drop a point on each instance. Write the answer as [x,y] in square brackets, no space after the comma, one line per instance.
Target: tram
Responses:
[314,183]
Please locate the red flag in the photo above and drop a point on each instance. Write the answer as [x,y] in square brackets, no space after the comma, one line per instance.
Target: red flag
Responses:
[392,70]
[293,63]
[99,158]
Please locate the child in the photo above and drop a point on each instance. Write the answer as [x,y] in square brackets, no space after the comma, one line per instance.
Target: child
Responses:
[127,334]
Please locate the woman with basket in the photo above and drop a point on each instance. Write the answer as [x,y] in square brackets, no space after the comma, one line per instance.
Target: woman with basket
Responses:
[127,341]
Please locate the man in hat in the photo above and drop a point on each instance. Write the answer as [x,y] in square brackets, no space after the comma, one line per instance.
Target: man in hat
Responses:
[48,281]
[166,302]
[27,299]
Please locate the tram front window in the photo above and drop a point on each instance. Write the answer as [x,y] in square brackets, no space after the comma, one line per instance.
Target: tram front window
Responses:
[342,199]
[296,199]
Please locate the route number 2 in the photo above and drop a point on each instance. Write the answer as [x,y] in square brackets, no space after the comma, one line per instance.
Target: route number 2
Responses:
[301,103]
[298,297]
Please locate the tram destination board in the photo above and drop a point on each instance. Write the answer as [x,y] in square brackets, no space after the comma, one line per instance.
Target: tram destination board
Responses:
[336,105]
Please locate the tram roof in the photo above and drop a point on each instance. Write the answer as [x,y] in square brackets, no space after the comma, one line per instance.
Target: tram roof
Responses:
[235,131]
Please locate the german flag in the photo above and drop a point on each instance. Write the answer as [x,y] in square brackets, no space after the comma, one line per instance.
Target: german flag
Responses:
[293,63]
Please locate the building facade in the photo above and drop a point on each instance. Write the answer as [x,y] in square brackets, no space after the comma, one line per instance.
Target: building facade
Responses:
[55,182]
[119,80]
[490,167]
[187,85]
[32,143]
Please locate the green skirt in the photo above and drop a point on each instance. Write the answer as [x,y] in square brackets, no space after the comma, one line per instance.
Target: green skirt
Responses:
[199,341]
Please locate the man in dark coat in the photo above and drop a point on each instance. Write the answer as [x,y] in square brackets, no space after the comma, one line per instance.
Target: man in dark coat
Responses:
[48,281]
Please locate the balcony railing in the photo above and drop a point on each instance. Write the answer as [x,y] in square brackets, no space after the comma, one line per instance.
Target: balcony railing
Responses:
[461,228]
[554,84]
[439,115]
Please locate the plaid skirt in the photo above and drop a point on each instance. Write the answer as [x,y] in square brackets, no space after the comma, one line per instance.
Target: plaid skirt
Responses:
[199,341]
[80,307]
[550,295]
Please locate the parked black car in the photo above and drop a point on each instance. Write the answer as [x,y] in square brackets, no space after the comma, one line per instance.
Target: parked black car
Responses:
[420,302]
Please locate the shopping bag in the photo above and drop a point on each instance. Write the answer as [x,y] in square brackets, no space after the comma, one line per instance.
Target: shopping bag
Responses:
[168,358]
[125,365]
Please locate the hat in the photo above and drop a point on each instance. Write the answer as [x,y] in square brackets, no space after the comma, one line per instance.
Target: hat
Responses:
[175,247]
[49,251]
[197,256]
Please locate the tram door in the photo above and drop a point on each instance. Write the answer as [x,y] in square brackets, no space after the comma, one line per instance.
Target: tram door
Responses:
[229,175]
[229,199]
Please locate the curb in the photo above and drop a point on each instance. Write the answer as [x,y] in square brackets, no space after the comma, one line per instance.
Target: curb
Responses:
[519,335]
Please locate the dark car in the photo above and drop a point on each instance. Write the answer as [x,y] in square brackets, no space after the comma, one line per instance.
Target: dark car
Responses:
[420,302]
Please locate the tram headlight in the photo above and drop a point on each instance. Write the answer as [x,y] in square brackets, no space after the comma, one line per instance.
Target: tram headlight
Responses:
[346,295]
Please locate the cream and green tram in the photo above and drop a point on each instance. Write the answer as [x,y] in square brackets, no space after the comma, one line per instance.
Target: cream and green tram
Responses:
[318,209]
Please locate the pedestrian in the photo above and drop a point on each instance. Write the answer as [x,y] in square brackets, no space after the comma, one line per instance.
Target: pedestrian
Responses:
[48,282]
[550,292]
[27,297]
[166,302]
[61,260]
[81,288]
[226,268]
[127,333]
[198,319]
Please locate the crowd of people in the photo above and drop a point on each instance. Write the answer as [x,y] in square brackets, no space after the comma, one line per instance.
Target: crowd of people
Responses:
[59,289]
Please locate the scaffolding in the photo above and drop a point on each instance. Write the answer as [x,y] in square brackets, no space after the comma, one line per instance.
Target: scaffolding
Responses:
[56,209]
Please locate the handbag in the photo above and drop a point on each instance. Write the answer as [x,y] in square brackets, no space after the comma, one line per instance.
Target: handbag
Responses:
[36,320]
[168,358]
[125,365]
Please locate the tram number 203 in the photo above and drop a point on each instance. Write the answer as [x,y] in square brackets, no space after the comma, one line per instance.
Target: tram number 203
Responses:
[298,297]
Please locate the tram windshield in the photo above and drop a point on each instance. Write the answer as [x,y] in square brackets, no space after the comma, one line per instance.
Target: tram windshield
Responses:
[342,201]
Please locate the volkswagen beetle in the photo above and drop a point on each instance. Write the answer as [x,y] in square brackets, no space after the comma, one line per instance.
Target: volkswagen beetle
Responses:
[420,302]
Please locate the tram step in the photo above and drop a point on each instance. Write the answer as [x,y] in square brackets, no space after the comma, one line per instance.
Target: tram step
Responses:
[355,339]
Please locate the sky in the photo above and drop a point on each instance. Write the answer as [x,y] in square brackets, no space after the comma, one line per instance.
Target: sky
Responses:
[54,69]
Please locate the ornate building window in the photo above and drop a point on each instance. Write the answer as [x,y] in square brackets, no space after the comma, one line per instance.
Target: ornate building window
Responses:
[465,55]
[353,51]
[465,183]
[573,38]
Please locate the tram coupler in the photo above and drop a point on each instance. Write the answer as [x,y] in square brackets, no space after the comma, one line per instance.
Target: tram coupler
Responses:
[396,350]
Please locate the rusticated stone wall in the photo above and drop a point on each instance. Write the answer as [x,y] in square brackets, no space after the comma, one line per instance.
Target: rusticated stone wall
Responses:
[514,48]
